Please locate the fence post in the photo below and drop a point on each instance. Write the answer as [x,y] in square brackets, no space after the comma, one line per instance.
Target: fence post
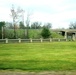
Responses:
[6,40]
[31,40]
[50,40]
[41,39]
[19,40]
[58,39]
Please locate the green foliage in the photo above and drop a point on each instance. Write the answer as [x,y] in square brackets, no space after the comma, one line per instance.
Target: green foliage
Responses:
[35,33]
[36,25]
[21,25]
[21,33]
[48,25]
[9,33]
[0,34]
[55,56]
[2,24]
[45,33]
[9,25]
[56,35]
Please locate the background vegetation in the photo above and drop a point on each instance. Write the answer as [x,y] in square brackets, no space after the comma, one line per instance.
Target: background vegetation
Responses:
[34,31]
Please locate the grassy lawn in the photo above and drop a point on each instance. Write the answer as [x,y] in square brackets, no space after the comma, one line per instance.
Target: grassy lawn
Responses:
[54,56]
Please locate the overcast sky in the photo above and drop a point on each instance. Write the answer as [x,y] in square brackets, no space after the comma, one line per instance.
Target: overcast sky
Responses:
[58,12]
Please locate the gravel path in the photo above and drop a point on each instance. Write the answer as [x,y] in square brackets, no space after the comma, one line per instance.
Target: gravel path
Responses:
[40,73]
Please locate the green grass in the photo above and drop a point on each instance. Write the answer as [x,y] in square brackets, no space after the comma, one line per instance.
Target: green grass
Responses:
[54,56]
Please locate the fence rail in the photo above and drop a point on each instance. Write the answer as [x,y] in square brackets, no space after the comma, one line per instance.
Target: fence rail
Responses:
[30,40]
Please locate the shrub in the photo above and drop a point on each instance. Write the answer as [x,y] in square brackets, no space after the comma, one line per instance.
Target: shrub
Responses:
[45,33]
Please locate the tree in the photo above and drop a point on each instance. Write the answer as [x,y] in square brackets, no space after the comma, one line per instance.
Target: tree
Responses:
[72,26]
[21,25]
[9,25]
[45,33]
[2,24]
[35,25]
[27,25]
[16,14]
[47,25]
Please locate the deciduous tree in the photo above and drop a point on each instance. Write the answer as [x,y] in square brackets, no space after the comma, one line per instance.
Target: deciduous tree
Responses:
[35,25]
[72,25]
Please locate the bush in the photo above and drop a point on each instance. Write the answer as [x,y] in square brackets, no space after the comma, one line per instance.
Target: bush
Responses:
[45,33]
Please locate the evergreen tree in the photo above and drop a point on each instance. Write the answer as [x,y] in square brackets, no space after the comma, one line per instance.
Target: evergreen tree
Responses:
[2,24]
[45,33]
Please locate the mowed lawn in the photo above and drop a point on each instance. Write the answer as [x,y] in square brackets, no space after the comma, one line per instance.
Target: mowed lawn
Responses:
[53,56]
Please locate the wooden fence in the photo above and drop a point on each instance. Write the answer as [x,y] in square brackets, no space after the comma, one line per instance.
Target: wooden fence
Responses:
[30,40]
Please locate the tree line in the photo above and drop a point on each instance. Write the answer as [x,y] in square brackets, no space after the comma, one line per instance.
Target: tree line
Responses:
[34,25]
[8,29]
[35,30]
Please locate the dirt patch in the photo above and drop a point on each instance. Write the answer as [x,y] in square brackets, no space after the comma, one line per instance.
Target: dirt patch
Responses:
[38,73]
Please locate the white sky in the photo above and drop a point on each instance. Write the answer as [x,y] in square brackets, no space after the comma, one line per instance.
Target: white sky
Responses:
[58,12]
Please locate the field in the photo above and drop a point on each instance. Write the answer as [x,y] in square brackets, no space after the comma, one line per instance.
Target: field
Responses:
[54,56]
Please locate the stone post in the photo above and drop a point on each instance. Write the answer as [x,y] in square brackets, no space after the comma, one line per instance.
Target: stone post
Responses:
[6,40]
[19,40]
[31,40]
[58,39]
[41,39]
[50,40]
